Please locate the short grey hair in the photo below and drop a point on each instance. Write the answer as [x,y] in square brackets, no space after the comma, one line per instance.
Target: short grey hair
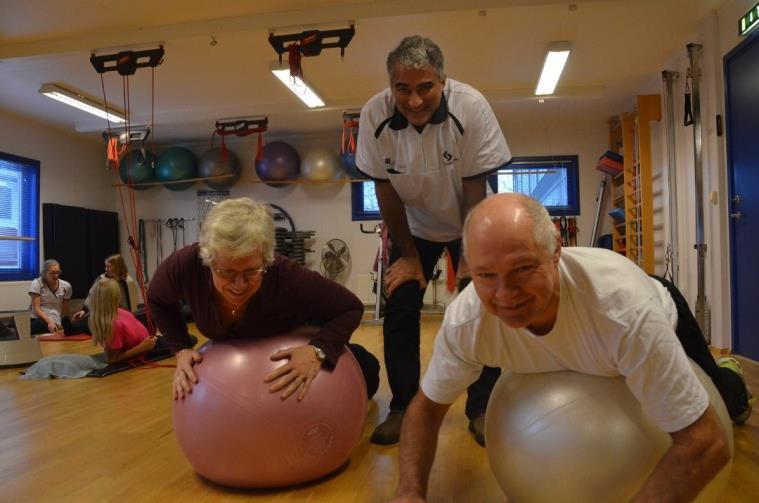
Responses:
[544,231]
[237,228]
[46,265]
[417,52]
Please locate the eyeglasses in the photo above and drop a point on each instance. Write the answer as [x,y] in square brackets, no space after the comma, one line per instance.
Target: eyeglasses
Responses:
[248,274]
[55,273]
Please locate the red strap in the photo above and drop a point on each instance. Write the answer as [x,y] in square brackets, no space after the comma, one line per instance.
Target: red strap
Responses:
[260,148]
[350,146]
[293,58]
[450,273]
[144,363]
[113,152]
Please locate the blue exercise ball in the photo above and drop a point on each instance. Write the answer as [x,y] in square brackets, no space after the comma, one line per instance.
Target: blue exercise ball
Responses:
[137,165]
[281,163]
[216,162]
[177,163]
[348,162]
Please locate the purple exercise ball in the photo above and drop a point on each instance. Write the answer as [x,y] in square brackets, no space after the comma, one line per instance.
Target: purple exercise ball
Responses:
[281,163]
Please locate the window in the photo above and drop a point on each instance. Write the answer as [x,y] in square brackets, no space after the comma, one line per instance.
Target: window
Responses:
[552,180]
[364,201]
[19,217]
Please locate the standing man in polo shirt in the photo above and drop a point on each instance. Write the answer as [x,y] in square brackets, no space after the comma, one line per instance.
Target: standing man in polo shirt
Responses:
[428,142]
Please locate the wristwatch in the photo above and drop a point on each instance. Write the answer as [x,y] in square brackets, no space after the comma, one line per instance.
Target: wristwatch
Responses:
[319,353]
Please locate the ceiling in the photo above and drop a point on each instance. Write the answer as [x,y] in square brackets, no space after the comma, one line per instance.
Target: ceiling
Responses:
[619,48]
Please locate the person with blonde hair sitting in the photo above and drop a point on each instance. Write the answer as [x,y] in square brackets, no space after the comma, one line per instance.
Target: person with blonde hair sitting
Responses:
[121,335]
[49,306]
[115,268]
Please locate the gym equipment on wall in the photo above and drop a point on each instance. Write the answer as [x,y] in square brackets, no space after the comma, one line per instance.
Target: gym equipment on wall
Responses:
[288,241]
[309,43]
[348,140]
[241,127]
[703,311]
[671,257]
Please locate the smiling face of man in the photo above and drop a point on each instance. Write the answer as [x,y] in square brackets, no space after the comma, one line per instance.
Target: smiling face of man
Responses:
[417,93]
[516,278]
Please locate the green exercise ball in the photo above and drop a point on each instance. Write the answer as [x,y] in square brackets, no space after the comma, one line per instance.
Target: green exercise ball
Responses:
[177,163]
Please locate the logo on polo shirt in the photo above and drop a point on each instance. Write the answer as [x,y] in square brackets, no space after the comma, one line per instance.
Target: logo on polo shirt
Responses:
[448,158]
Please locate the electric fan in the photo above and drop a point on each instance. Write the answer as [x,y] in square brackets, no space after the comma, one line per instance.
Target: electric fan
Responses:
[335,258]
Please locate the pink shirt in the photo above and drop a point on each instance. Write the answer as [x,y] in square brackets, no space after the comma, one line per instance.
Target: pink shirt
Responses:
[127,332]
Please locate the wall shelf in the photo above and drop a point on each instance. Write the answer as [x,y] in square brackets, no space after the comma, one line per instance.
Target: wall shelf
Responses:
[303,181]
[173,182]
[299,181]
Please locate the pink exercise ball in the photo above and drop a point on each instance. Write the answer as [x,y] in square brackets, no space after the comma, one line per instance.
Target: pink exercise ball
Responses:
[236,433]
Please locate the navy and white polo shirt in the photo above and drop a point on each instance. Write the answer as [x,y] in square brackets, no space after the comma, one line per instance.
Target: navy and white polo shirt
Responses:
[462,140]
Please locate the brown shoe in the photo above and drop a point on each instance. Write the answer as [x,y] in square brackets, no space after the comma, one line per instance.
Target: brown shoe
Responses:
[389,432]
[477,426]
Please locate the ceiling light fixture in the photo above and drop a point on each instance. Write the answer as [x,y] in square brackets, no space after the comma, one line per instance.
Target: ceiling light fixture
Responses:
[81,102]
[298,86]
[556,58]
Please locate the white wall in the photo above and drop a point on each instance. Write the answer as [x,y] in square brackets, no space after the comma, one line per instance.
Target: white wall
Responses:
[71,172]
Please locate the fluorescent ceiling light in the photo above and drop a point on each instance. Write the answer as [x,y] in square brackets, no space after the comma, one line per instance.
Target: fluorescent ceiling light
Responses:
[298,86]
[81,102]
[556,58]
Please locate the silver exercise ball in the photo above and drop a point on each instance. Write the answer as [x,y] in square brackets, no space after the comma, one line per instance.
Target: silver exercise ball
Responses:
[320,164]
[565,436]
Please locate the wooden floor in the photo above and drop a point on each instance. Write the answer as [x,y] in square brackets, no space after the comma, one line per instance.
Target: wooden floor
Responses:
[111,439]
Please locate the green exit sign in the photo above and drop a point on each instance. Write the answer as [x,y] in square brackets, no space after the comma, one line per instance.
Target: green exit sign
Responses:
[749,20]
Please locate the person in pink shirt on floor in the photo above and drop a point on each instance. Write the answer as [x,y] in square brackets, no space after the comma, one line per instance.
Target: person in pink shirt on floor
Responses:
[115,329]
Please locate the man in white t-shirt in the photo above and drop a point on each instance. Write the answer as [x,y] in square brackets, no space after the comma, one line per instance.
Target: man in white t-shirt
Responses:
[533,307]
[428,142]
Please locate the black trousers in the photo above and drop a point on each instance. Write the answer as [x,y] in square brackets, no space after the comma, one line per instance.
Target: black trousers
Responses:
[370,367]
[401,332]
[40,327]
[729,384]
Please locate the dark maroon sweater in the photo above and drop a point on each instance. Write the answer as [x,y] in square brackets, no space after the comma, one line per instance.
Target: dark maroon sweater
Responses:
[290,296]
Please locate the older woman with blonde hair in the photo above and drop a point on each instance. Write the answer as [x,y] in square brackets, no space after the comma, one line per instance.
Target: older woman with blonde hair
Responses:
[237,287]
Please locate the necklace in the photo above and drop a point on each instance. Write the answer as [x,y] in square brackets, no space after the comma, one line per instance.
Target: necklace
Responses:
[224,304]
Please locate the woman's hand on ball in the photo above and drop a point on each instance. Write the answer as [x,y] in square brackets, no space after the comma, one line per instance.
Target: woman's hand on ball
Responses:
[296,374]
[184,376]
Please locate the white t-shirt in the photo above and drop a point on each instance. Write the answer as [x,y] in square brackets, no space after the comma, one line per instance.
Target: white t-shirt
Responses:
[50,302]
[613,320]
[462,140]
